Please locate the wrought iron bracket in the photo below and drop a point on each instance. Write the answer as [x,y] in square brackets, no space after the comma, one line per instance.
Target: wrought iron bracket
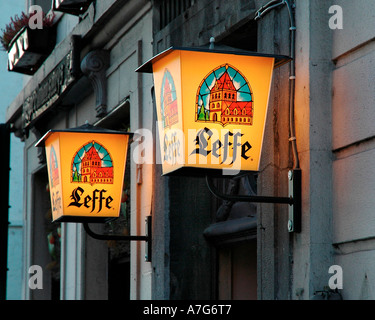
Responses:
[293,200]
[147,238]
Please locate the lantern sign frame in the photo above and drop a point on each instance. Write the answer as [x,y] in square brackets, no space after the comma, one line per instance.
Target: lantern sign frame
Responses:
[211,108]
[86,170]
[217,88]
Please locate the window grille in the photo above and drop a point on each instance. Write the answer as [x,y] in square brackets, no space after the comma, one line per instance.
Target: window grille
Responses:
[171,9]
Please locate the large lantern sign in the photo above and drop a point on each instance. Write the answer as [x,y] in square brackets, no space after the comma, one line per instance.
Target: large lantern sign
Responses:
[86,168]
[211,108]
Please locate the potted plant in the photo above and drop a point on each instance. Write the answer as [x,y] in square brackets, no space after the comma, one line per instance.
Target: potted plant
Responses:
[75,7]
[26,45]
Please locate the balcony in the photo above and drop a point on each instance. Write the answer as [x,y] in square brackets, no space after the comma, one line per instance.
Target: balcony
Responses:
[75,7]
[29,48]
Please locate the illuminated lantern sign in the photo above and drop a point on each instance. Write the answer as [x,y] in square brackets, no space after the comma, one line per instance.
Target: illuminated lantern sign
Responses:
[211,108]
[86,168]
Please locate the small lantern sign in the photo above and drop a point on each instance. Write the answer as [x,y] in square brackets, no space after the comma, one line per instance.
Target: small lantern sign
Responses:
[211,108]
[86,168]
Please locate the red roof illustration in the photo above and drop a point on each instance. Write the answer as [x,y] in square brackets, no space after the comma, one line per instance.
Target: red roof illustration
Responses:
[92,170]
[240,105]
[224,83]
[167,88]
[170,106]
[92,154]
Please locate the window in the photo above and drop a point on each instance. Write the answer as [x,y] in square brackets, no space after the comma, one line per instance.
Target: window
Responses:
[45,4]
[46,239]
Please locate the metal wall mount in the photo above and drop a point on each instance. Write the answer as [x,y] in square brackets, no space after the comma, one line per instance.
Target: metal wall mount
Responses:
[147,238]
[293,200]
[295,192]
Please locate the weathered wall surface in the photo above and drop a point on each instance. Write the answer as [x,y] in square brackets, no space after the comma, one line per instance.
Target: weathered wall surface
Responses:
[294,266]
[353,142]
[274,246]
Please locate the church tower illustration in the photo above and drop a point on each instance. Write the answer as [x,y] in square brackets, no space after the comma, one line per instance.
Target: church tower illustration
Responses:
[89,167]
[169,101]
[227,104]
[92,170]
[54,169]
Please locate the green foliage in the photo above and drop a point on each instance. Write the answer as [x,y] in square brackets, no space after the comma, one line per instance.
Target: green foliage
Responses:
[203,115]
[76,176]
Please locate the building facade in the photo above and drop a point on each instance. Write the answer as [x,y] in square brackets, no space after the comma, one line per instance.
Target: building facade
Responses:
[319,120]
[10,85]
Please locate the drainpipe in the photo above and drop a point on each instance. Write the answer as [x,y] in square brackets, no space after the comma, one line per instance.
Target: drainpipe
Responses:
[292,74]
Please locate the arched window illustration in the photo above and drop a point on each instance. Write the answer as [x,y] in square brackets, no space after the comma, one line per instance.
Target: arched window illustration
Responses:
[168,99]
[89,156]
[233,91]
[54,169]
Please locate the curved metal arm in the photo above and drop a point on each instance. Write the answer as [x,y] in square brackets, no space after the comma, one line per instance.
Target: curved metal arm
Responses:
[294,200]
[113,237]
[244,198]
[147,238]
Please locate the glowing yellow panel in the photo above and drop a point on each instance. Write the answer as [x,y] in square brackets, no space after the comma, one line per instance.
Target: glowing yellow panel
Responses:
[211,108]
[86,173]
